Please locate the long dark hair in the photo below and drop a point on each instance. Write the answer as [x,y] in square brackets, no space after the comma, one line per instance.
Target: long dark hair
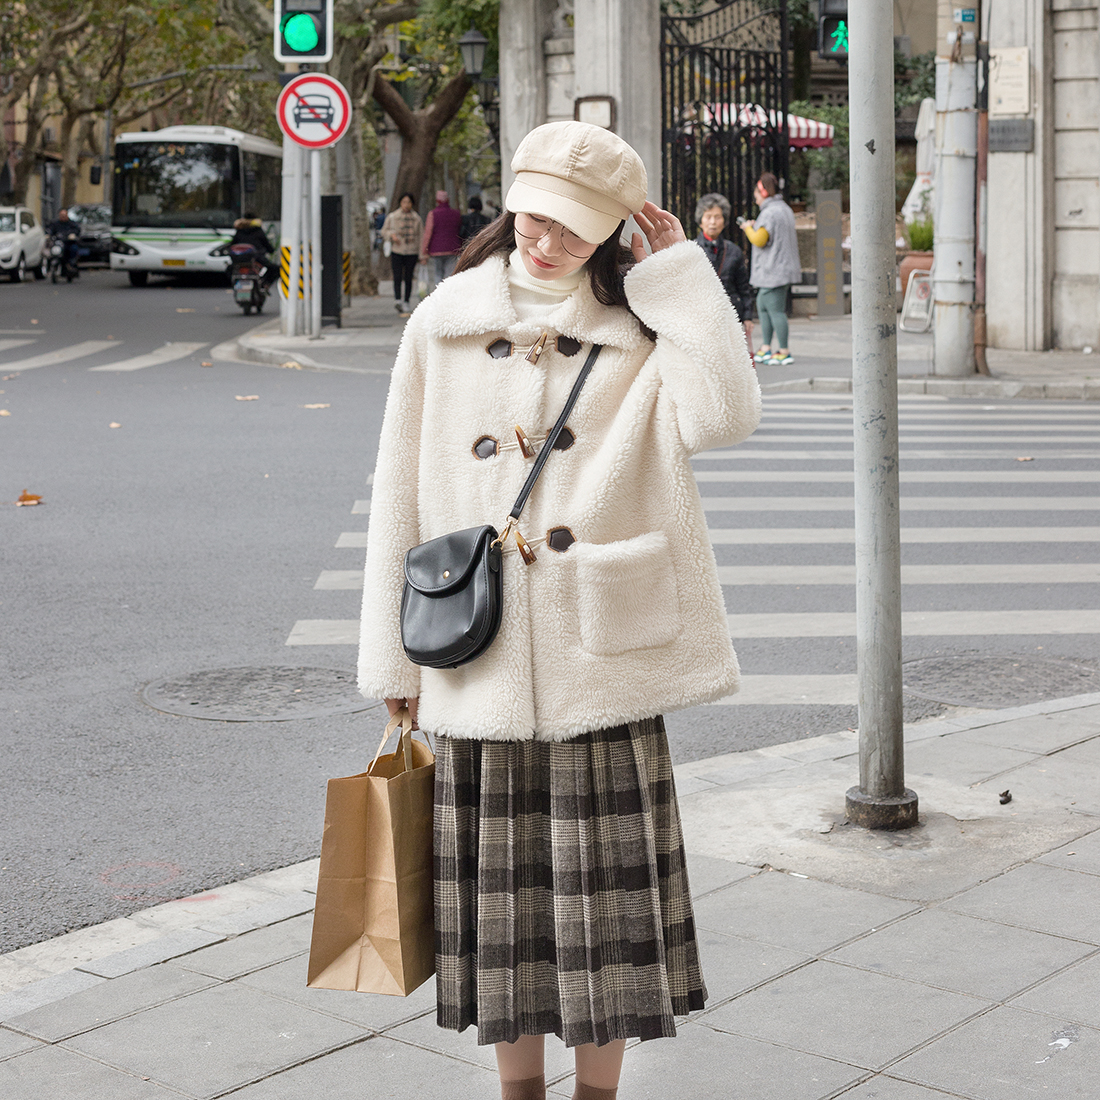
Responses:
[607,266]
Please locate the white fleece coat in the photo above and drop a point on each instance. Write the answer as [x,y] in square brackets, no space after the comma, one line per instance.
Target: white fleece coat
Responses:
[629,622]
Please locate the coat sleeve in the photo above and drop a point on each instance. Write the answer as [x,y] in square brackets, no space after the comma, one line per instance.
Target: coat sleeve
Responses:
[701,357]
[384,670]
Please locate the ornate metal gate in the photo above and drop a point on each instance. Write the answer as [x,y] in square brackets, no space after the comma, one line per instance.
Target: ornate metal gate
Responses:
[724,86]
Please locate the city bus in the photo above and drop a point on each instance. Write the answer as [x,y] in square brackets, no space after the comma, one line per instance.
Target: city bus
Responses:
[178,191]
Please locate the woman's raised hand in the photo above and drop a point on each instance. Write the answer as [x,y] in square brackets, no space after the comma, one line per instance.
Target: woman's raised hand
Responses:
[661,229]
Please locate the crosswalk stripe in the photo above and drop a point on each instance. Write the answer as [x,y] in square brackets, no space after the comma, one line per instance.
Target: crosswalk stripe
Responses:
[839,689]
[945,454]
[1030,478]
[970,573]
[333,579]
[842,624]
[770,430]
[1010,436]
[361,508]
[352,540]
[807,536]
[324,632]
[918,504]
[7,345]
[167,354]
[62,355]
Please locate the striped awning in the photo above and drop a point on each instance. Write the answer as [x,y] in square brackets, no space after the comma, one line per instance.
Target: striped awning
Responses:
[805,133]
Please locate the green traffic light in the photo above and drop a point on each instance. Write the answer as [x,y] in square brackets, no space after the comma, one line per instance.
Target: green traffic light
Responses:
[300,32]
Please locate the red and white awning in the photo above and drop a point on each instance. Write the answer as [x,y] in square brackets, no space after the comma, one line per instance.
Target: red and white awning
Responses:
[805,133]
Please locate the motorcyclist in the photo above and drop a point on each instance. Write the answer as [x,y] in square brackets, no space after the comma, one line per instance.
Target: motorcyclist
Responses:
[65,229]
[249,230]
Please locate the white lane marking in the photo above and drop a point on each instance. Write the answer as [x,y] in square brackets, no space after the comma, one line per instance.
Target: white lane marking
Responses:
[62,355]
[352,540]
[333,579]
[1021,476]
[7,345]
[361,508]
[841,689]
[324,632]
[726,536]
[841,624]
[971,573]
[920,504]
[167,354]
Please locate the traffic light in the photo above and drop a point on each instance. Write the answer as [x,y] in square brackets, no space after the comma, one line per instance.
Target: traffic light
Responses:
[303,30]
[832,30]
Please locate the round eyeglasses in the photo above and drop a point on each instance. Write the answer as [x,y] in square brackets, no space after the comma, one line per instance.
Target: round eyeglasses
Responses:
[534,228]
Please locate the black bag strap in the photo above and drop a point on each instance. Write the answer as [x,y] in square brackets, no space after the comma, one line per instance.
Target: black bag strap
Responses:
[552,438]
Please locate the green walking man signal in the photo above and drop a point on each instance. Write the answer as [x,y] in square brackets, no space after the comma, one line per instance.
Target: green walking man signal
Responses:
[832,38]
[303,30]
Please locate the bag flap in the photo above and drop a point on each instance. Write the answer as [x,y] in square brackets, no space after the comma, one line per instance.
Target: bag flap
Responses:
[444,564]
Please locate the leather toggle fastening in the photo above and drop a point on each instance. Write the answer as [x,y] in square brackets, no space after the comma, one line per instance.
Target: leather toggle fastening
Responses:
[532,356]
[503,349]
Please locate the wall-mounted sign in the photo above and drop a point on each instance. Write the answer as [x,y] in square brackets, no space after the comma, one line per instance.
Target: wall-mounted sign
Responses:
[965,15]
[596,109]
[1009,81]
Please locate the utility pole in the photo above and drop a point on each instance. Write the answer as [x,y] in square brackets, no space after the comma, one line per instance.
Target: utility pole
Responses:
[881,801]
[956,160]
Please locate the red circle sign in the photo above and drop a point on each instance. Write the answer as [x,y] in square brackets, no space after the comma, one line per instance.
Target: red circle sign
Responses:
[314,110]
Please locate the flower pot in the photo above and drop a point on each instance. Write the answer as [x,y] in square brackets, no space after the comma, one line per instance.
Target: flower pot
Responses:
[913,261]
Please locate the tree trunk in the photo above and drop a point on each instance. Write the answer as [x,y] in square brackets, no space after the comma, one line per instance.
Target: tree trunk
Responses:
[28,161]
[364,280]
[74,136]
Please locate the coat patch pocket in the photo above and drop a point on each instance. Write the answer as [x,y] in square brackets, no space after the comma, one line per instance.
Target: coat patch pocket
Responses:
[626,594]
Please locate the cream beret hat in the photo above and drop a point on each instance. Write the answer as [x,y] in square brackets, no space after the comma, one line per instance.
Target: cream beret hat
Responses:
[581,175]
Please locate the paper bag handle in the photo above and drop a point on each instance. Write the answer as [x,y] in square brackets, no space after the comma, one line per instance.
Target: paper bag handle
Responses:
[401,718]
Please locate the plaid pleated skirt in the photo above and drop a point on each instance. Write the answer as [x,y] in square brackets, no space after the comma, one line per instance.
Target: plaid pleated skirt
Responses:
[561,894]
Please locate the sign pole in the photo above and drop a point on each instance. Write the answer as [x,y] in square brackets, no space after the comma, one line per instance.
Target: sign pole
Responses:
[315,242]
[304,237]
[290,233]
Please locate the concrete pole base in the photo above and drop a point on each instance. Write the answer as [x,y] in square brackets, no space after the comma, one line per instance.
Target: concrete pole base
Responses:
[881,813]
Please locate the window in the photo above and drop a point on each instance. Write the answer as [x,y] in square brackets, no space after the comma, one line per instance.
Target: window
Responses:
[26,221]
[263,186]
[177,184]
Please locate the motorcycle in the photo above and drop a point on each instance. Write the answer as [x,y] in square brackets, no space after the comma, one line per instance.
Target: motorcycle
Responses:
[247,272]
[62,255]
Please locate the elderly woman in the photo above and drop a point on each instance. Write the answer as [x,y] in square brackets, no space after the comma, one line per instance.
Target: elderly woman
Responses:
[712,212]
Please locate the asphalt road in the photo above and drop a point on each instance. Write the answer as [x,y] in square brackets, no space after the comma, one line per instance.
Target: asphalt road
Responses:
[190,536]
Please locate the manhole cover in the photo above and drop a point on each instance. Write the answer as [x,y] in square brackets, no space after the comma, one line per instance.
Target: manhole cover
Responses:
[277,694]
[996,682]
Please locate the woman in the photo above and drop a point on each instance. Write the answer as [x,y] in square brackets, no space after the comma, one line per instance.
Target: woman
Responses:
[712,212]
[562,902]
[403,229]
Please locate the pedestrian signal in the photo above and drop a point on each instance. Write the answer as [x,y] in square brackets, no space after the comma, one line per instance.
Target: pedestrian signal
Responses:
[832,37]
[303,30]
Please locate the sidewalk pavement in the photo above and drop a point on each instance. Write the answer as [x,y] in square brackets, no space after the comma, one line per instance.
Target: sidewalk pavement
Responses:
[822,349]
[958,959]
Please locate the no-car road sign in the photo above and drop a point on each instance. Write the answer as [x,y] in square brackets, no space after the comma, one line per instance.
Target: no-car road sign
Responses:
[314,110]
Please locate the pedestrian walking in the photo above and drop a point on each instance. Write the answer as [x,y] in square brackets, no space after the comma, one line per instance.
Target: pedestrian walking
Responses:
[441,242]
[561,893]
[402,230]
[473,222]
[775,266]
[712,212]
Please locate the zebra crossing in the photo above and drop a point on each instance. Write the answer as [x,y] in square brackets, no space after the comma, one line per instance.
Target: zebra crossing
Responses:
[1000,514]
[170,352]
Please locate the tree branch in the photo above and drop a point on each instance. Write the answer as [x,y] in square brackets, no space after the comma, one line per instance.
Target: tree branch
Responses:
[388,98]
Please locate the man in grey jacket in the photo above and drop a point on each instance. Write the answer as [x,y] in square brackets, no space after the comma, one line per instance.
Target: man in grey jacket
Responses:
[775,266]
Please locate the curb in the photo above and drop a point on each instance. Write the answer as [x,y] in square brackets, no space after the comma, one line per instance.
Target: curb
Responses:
[952,387]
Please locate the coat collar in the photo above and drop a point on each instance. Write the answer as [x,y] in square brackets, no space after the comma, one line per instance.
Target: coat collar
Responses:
[478,301]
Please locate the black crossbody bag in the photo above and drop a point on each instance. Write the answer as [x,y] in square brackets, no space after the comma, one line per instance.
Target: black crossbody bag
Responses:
[452,605]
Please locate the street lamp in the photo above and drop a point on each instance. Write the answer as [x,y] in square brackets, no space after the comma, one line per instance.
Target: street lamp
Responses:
[472,44]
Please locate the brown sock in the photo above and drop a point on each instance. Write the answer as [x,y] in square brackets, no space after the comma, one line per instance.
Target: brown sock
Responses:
[534,1088]
[587,1092]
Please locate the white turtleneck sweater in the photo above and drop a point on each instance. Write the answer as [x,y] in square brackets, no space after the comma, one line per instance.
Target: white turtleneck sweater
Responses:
[535,299]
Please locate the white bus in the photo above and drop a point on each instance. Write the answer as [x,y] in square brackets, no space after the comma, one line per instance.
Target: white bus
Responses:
[178,191]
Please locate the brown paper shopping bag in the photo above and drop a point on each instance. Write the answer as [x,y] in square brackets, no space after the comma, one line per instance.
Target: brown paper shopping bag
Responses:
[373,926]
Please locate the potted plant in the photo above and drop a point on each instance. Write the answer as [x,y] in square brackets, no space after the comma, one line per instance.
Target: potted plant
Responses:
[919,256]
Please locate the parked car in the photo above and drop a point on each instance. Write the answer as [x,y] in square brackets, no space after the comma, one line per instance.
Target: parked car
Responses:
[22,243]
[94,219]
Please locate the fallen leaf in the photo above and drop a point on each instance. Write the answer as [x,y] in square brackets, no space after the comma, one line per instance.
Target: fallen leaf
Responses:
[27,500]
[4,412]
[180,310]
[1005,797]
[316,406]
[33,322]
[8,377]
[1029,459]
[206,363]
[250,397]
[291,364]
[114,424]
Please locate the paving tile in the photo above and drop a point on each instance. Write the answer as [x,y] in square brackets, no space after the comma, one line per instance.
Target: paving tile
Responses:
[253,950]
[797,913]
[949,950]
[259,916]
[706,873]
[839,1012]
[1046,899]
[109,1001]
[215,1040]
[1082,854]
[44,992]
[62,953]
[163,948]
[1070,778]
[704,1064]
[12,1044]
[199,910]
[289,880]
[964,761]
[1042,733]
[372,1010]
[376,1069]
[881,1087]
[1007,1054]
[1074,994]
[732,964]
[53,1073]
